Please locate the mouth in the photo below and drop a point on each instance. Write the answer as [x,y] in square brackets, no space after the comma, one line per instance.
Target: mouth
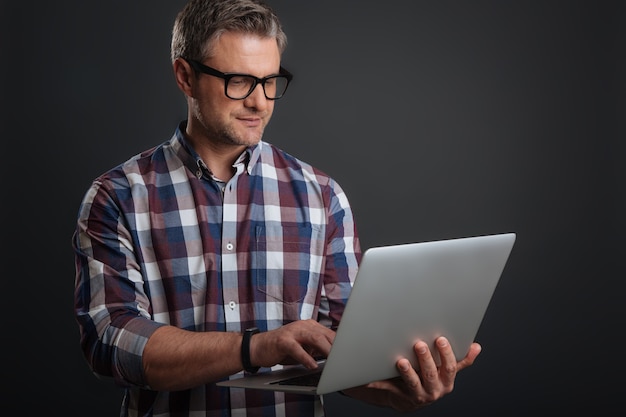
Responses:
[251,121]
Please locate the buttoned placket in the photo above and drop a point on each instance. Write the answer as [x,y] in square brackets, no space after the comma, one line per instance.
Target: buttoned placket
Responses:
[230,276]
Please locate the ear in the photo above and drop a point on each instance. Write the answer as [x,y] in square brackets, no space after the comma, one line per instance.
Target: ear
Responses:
[184,75]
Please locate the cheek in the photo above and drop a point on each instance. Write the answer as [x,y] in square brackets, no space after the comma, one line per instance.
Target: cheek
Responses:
[209,90]
[215,105]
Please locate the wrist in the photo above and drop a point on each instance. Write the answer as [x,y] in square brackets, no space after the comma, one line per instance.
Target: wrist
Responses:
[245,350]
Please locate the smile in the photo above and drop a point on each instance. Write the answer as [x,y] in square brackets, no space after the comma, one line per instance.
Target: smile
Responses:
[251,121]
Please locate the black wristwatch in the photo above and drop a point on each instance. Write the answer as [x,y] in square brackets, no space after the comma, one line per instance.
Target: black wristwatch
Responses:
[245,350]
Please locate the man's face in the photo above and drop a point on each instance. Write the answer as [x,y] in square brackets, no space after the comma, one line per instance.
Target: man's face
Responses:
[228,121]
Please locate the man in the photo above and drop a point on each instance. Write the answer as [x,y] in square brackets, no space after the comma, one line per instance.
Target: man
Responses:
[185,246]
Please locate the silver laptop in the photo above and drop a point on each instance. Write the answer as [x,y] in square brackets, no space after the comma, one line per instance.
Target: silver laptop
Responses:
[402,293]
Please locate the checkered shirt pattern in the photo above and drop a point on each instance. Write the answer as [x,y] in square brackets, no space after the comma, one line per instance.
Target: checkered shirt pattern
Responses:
[159,241]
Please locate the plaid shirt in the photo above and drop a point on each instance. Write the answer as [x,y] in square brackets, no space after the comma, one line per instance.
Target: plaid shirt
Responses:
[159,241]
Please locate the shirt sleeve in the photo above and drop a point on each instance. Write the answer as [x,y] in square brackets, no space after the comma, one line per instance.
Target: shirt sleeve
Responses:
[110,304]
[343,254]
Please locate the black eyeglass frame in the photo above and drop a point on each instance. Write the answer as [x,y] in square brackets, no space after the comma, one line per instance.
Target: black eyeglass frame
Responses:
[226,76]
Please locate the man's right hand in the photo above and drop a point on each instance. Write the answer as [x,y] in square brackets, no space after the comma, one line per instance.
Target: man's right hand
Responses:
[298,342]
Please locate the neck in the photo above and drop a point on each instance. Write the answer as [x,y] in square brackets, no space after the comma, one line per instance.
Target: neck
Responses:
[219,157]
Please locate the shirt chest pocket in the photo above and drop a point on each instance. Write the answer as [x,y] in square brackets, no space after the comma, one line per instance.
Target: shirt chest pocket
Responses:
[287,261]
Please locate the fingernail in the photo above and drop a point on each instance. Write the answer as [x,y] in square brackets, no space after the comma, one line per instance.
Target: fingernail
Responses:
[421,348]
[403,366]
[442,342]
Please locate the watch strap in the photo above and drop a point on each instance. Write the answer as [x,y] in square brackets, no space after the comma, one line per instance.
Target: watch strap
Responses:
[245,350]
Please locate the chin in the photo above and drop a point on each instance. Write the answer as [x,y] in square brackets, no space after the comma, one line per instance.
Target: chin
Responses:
[251,140]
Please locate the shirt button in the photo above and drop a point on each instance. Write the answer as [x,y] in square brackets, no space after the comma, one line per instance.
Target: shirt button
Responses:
[232,305]
[229,246]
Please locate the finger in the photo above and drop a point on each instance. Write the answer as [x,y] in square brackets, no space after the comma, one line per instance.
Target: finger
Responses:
[468,360]
[429,372]
[448,367]
[316,340]
[409,375]
[309,340]
[302,355]
[280,346]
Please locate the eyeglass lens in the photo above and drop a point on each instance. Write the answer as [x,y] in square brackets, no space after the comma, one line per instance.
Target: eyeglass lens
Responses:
[240,86]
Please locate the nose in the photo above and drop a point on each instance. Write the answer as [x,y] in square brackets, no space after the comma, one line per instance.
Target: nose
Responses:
[257,98]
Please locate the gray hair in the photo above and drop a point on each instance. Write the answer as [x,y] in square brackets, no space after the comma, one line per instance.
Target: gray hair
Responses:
[201,22]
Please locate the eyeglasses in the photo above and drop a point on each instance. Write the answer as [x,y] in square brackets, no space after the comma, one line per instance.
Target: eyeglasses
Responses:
[240,86]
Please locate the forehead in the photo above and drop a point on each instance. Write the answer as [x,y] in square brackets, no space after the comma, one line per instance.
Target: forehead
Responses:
[244,52]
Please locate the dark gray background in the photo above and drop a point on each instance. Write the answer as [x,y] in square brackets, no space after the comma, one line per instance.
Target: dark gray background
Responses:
[440,119]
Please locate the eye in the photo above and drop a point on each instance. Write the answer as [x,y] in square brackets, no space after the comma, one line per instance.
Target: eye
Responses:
[240,81]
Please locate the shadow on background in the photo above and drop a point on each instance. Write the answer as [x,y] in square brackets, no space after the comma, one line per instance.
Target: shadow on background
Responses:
[440,119]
